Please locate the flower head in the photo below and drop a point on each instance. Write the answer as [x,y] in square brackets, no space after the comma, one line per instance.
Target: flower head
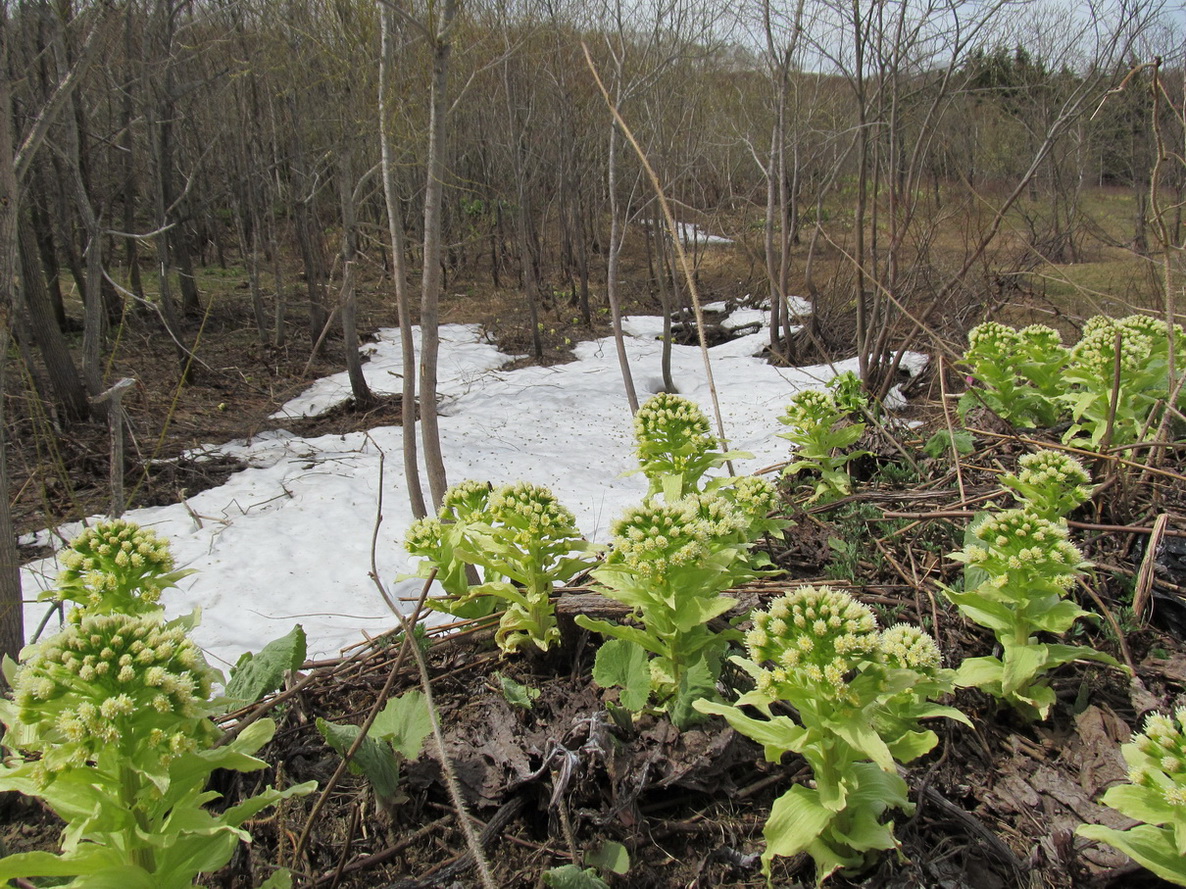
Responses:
[115,566]
[532,509]
[1052,483]
[654,539]
[814,635]
[1157,756]
[424,538]
[465,501]
[811,408]
[1019,543]
[104,678]
[674,438]
[905,645]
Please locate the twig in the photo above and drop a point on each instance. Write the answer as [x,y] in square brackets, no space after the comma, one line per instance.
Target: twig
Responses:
[955,454]
[389,852]
[1107,613]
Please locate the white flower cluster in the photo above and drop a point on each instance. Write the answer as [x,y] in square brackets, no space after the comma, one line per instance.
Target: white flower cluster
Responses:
[1162,765]
[102,679]
[1020,540]
[533,510]
[823,638]
[813,633]
[809,409]
[654,538]
[672,420]
[112,559]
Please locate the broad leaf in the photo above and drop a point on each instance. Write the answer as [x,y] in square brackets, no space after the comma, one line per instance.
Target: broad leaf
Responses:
[404,722]
[374,759]
[257,675]
[624,664]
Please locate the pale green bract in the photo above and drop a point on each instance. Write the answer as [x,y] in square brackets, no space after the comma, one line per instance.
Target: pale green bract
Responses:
[859,694]
[1155,796]
[676,447]
[820,429]
[1030,379]
[670,562]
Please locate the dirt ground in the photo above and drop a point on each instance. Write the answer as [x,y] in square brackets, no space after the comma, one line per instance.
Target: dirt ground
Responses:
[996,805]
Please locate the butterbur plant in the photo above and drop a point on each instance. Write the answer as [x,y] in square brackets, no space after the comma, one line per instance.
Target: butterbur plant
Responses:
[820,429]
[676,447]
[525,543]
[115,566]
[1155,796]
[434,541]
[858,694]
[1052,484]
[109,725]
[1019,565]
[1142,385]
[669,562]
[1019,372]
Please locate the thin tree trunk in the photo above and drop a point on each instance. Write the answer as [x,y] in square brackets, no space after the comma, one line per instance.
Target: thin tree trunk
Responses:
[430,281]
[69,393]
[399,277]
[12,626]
[612,270]
[359,389]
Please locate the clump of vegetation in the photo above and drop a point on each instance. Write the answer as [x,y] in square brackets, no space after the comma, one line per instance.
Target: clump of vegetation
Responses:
[1019,566]
[1110,385]
[110,726]
[115,566]
[858,694]
[1019,372]
[822,431]
[670,563]
[675,444]
[525,543]
[1154,796]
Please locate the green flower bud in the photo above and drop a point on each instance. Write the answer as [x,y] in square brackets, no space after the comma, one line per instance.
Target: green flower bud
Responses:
[115,566]
[74,691]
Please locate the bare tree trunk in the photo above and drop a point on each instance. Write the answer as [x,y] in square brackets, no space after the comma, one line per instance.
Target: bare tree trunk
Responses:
[395,228]
[430,281]
[358,382]
[64,380]
[12,627]
[613,269]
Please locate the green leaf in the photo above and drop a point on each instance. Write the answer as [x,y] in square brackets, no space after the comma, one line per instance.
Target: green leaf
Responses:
[1139,803]
[517,694]
[776,735]
[625,665]
[697,683]
[282,879]
[374,759]
[1151,847]
[979,672]
[569,876]
[796,820]
[404,722]
[610,856]
[1021,664]
[257,675]
[942,442]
